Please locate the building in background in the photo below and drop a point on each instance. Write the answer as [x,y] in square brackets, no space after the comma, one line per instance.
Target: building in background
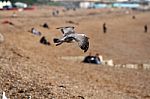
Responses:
[20,5]
[5,4]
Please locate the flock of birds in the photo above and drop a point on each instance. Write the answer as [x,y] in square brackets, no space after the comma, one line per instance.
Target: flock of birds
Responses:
[69,36]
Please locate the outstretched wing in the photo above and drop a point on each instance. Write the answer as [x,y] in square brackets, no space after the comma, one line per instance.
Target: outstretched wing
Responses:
[82,40]
[67,30]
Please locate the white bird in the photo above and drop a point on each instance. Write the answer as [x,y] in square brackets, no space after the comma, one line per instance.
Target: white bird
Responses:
[4,96]
[70,35]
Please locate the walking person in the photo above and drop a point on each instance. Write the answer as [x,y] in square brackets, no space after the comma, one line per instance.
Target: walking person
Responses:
[145,28]
[104,28]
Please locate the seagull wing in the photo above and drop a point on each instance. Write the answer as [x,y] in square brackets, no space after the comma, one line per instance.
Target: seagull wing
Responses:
[67,30]
[82,40]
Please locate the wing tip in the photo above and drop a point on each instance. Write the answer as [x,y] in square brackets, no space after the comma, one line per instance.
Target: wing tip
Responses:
[66,27]
[85,51]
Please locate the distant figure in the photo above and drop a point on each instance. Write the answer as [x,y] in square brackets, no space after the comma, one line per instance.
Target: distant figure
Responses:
[55,13]
[104,28]
[45,25]
[145,28]
[74,9]
[7,22]
[133,17]
[44,41]
[14,15]
[34,31]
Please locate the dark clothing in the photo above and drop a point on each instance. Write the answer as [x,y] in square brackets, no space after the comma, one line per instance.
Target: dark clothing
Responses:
[92,59]
[145,28]
[133,17]
[104,28]
[55,13]
[95,60]
[87,59]
[45,25]
[44,41]
[7,22]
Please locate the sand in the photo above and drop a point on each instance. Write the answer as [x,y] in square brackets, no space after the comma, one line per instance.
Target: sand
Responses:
[28,68]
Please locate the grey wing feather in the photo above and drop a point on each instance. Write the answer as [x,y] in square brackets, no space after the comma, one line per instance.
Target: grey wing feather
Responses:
[83,41]
[67,30]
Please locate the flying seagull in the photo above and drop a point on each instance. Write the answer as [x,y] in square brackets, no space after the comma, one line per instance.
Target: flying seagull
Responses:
[70,35]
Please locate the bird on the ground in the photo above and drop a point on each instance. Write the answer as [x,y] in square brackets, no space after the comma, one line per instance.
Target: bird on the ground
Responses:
[70,35]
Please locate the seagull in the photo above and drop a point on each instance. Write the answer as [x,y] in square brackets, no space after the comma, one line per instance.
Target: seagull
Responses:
[69,35]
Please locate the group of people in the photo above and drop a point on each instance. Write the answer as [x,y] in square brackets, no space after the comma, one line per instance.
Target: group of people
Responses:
[133,17]
[43,39]
[55,12]
[145,26]
[92,59]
